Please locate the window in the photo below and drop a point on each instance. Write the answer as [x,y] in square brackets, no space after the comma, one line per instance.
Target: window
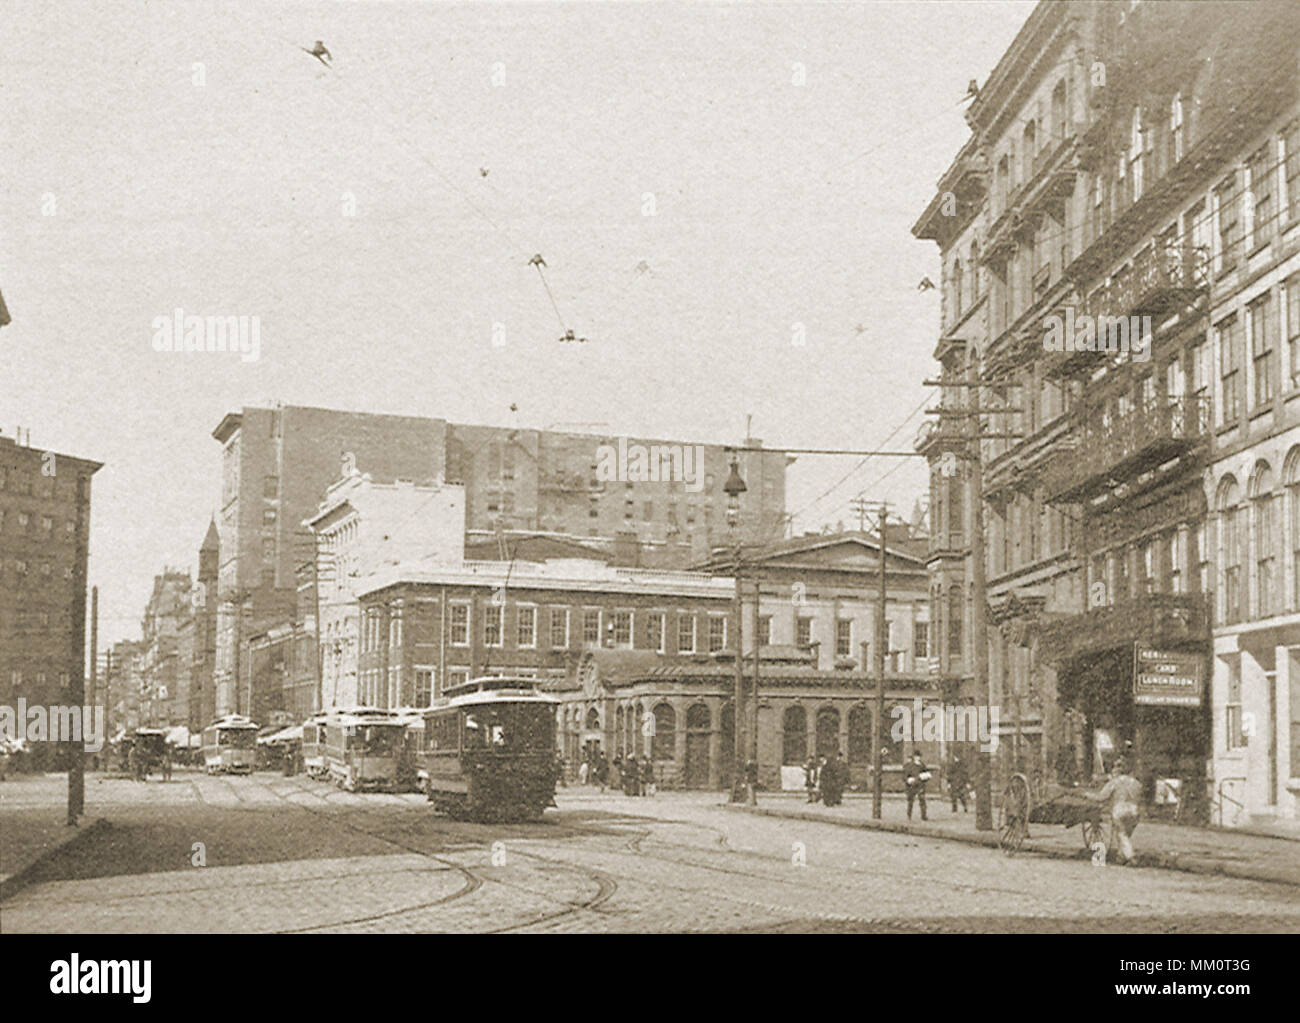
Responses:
[1176,128]
[1201,368]
[717,633]
[268,516]
[591,627]
[1235,739]
[492,633]
[663,744]
[1261,190]
[686,633]
[920,640]
[655,630]
[955,275]
[423,687]
[1174,555]
[1293,325]
[559,628]
[1231,537]
[764,630]
[1229,227]
[270,486]
[956,616]
[803,631]
[1293,491]
[794,735]
[527,626]
[1060,126]
[1291,140]
[1262,331]
[457,676]
[1230,368]
[1267,542]
[460,625]
[621,629]
[1136,151]
[843,637]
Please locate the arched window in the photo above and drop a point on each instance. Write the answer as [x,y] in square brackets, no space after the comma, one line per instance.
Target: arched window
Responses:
[698,718]
[828,731]
[1059,117]
[635,724]
[1003,183]
[974,270]
[620,742]
[1231,547]
[1029,149]
[794,735]
[663,746]
[593,720]
[956,288]
[1267,541]
[859,735]
[1291,468]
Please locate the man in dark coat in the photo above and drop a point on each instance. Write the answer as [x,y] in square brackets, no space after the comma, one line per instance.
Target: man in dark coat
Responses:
[631,777]
[917,774]
[832,779]
[958,781]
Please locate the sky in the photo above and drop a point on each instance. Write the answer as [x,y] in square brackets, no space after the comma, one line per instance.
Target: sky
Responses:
[722,194]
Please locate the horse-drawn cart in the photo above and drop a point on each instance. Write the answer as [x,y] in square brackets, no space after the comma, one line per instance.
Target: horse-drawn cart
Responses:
[1069,808]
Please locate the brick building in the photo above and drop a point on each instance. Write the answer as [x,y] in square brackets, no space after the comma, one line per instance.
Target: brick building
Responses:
[44,547]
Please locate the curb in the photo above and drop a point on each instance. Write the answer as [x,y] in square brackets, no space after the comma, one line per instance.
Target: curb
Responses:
[1157,861]
[20,879]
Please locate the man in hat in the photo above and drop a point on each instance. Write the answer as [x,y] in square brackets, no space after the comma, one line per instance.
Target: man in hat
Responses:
[916,775]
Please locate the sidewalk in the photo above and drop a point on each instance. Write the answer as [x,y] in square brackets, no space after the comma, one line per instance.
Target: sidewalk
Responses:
[1254,856]
[31,829]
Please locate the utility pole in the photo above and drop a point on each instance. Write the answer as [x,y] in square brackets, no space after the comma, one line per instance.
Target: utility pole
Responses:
[882,641]
[753,710]
[979,601]
[94,658]
[740,719]
[77,661]
[860,507]
[108,691]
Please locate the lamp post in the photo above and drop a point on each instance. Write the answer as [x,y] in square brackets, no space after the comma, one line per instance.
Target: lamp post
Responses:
[733,488]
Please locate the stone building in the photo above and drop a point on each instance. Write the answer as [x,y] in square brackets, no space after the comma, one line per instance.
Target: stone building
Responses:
[1123,183]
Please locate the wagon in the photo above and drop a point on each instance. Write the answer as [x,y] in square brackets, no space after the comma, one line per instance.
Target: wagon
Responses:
[1071,808]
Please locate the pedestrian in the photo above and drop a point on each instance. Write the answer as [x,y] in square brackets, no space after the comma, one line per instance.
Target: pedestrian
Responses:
[600,769]
[917,774]
[751,782]
[1124,793]
[133,759]
[832,780]
[647,776]
[584,769]
[810,779]
[167,762]
[958,781]
[630,779]
[616,773]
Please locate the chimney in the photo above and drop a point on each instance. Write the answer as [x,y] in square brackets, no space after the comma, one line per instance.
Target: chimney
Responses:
[627,549]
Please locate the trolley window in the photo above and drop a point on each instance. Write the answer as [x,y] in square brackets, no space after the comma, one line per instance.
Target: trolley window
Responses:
[514,727]
[378,739]
[236,738]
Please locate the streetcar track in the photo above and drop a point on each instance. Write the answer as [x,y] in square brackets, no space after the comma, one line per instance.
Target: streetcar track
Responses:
[606,885]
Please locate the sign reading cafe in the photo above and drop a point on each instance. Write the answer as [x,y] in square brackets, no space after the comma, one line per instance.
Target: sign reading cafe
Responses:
[1163,678]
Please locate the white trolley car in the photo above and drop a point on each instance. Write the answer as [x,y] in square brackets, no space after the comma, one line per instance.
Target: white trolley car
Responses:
[230,745]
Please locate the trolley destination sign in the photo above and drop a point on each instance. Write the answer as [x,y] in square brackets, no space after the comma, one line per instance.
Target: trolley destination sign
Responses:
[1166,678]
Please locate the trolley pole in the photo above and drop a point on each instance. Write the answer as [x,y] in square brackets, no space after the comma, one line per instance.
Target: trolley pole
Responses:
[882,640]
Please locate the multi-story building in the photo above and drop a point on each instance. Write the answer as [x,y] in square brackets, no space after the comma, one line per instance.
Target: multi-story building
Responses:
[1094,234]
[648,502]
[44,546]
[164,662]
[360,526]
[120,684]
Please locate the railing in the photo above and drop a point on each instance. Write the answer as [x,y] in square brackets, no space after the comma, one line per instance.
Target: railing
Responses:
[1158,280]
[1114,448]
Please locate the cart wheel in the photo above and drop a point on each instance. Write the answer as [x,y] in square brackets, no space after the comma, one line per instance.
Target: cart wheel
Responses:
[1093,832]
[1011,836]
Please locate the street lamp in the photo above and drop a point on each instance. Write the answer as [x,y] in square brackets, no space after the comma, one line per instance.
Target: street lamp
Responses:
[733,488]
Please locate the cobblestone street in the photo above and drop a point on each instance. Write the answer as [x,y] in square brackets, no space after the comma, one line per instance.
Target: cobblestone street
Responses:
[291,854]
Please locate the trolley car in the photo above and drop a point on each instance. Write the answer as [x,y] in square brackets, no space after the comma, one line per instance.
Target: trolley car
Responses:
[150,749]
[230,745]
[363,747]
[489,750]
[313,746]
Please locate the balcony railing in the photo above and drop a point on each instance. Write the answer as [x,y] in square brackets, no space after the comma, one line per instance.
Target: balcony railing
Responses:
[1160,281]
[1104,452]
[1157,619]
